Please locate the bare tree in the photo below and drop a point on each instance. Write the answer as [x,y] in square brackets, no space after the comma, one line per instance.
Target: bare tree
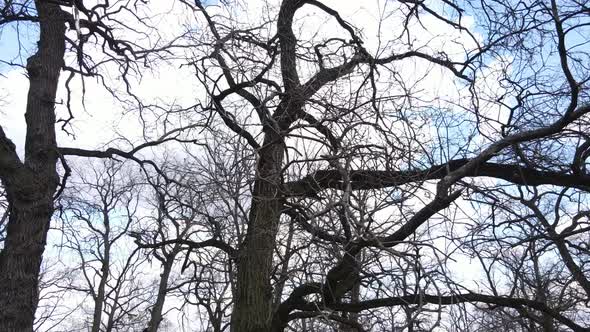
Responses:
[330,173]
[333,116]
[532,256]
[199,221]
[98,211]
[55,309]
[171,221]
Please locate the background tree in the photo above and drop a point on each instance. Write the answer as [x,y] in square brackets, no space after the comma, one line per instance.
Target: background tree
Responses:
[97,213]
[197,228]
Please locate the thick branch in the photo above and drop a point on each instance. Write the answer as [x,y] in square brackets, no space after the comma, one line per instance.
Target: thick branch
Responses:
[444,300]
[341,277]
[288,43]
[438,204]
[192,245]
[10,163]
[368,179]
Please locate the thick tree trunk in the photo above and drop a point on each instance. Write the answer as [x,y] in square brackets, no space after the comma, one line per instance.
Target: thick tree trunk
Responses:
[30,186]
[253,305]
[20,262]
[353,317]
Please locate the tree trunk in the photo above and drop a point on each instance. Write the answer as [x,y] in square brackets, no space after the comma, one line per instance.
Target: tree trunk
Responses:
[353,317]
[99,300]
[253,305]
[30,186]
[156,312]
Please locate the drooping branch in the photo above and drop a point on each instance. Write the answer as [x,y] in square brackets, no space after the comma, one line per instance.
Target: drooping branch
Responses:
[113,153]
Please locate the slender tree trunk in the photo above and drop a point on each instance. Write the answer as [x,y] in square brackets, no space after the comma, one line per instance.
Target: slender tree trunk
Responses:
[110,325]
[280,286]
[156,312]
[541,292]
[99,300]
[30,186]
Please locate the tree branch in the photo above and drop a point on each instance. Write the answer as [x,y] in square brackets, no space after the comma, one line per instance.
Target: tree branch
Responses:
[442,300]
[369,179]
[191,244]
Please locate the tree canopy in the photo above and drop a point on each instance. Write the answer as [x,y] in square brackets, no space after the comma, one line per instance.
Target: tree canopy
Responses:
[295,165]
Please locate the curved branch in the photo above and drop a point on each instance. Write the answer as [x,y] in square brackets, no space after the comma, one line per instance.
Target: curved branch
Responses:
[288,43]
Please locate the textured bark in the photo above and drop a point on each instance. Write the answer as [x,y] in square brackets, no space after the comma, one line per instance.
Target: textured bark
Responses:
[30,186]
[253,309]
[253,305]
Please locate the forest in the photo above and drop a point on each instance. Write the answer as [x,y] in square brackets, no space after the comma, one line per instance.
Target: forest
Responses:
[294,165]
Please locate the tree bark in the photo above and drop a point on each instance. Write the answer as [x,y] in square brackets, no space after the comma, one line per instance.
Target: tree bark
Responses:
[253,308]
[253,305]
[30,186]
